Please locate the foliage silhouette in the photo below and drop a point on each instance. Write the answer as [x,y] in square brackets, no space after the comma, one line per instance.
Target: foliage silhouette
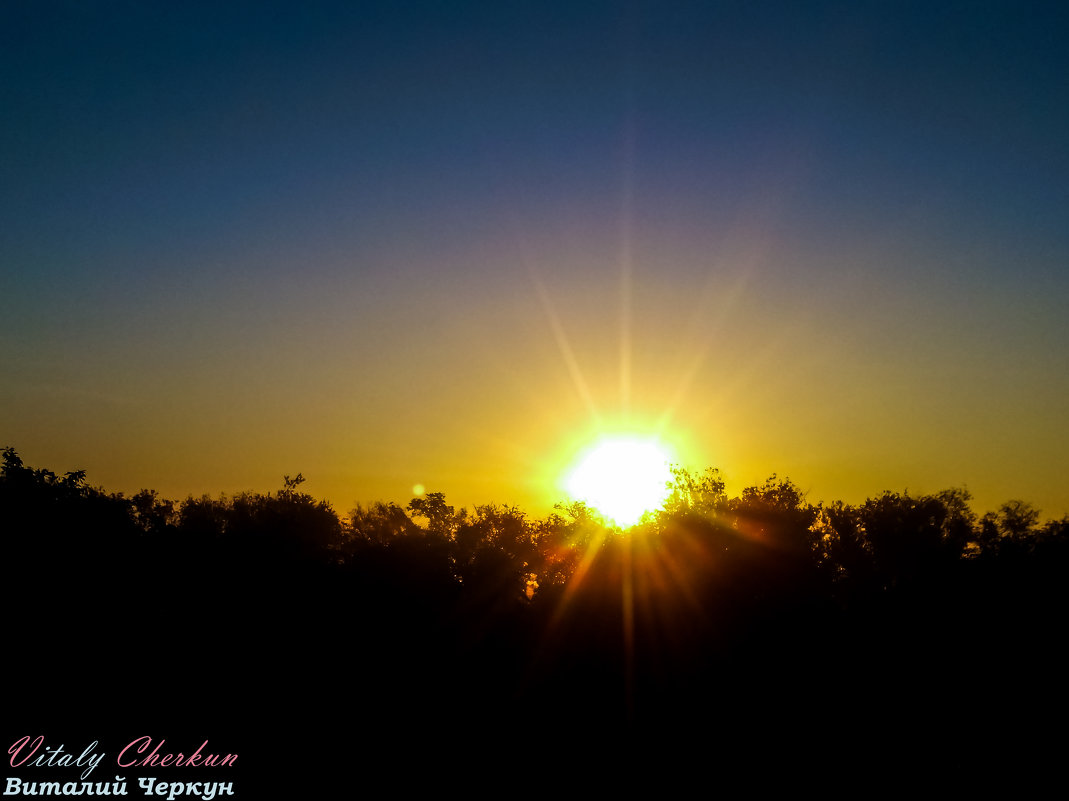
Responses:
[735,609]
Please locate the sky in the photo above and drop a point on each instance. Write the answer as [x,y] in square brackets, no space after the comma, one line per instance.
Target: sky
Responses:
[447,244]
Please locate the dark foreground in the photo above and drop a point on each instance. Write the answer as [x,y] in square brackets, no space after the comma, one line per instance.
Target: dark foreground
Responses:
[758,639]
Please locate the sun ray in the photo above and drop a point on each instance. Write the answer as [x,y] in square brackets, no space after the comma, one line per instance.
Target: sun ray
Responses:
[626,263]
[627,601]
[701,351]
[563,344]
[578,576]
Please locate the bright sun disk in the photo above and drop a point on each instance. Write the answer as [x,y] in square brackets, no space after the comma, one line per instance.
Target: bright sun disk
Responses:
[622,477]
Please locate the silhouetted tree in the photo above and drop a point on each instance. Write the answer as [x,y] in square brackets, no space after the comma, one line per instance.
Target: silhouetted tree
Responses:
[442,519]
[496,553]
[695,494]
[564,539]
[912,536]
[380,523]
[844,553]
[151,513]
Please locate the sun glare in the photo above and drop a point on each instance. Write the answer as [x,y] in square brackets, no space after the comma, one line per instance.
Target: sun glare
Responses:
[622,477]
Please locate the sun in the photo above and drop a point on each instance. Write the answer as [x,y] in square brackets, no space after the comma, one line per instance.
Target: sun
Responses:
[622,477]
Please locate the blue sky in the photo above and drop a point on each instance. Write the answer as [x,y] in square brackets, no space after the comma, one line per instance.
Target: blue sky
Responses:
[396,243]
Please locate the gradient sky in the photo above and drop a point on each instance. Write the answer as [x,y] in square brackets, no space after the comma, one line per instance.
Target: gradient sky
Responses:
[393,243]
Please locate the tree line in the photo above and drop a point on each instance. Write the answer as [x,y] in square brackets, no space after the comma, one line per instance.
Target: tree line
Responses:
[741,608]
[892,539]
